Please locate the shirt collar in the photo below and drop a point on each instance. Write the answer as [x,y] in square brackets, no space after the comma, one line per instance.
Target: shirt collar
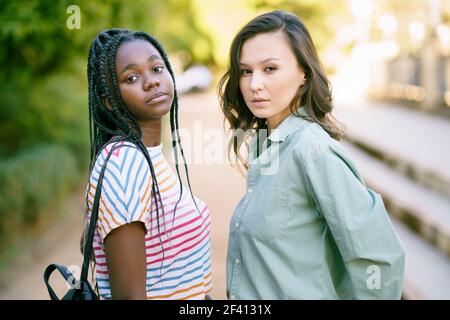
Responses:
[289,125]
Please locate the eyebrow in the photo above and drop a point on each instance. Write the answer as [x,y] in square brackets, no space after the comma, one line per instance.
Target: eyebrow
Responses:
[132,65]
[260,62]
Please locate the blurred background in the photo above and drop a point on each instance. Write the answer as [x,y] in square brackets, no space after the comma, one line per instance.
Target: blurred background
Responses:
[389,63]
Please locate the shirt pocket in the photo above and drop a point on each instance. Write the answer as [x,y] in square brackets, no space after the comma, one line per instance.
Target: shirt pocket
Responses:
[269,213]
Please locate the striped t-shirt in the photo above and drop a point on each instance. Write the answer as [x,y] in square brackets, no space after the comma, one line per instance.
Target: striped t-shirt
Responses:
[184,272]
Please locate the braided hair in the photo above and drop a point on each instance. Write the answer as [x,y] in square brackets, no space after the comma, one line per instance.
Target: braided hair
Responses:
[116,123]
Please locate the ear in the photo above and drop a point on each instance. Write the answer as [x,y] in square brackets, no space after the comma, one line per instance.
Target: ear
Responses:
[106,102]
[303,81]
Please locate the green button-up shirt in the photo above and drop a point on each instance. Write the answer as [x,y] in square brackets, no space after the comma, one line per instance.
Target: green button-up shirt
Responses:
[308,227]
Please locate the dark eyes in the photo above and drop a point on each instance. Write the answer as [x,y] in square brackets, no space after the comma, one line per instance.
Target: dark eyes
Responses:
[270,69]
[158,69]
[133,78]
[244,72]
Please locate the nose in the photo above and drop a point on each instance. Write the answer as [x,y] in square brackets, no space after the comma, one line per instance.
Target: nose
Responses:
[150,81]
[256,82]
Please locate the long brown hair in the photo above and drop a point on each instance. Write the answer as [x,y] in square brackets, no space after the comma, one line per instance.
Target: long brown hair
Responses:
[315,95]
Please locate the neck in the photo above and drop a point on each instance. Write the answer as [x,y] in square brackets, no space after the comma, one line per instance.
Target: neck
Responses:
[274,121]
[151,132]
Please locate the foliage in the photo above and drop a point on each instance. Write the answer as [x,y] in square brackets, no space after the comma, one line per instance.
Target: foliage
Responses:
[28,182]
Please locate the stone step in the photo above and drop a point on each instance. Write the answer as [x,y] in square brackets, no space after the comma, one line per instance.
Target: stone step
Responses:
[424,211]
[427,270]
[413,143]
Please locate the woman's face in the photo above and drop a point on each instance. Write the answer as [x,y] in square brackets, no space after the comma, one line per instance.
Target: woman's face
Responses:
[144,82]
[270,76]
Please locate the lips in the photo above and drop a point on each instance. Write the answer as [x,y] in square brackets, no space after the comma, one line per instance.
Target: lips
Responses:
[258,102]
[157,97]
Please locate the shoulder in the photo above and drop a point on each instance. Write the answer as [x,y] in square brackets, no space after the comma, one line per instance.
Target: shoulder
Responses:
[318,153]
[314,143]
[125,160]
[312,140]
[122,152]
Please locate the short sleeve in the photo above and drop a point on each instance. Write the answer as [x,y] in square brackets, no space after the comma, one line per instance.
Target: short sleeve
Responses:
[126,189]
[357,219]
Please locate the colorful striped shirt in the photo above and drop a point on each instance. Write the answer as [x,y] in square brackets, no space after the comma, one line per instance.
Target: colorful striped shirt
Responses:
[179,251]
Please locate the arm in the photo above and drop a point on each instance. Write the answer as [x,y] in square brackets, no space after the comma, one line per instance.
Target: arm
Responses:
[125,256]
[123,212]
[371,251]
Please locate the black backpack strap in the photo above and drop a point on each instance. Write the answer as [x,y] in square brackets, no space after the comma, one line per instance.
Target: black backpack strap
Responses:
[94,216]
[67,275]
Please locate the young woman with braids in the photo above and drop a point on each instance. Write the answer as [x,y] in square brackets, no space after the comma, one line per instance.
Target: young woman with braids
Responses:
[152,239]
[307,228]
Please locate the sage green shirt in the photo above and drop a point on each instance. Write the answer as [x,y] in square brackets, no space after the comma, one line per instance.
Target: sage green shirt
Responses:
[308,227]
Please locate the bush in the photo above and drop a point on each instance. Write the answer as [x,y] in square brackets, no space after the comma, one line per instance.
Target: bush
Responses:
[29,182]
[52,111]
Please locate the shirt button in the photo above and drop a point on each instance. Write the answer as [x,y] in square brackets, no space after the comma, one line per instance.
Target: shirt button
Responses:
[237,225]
[250,190]
[233,298]
[237,261]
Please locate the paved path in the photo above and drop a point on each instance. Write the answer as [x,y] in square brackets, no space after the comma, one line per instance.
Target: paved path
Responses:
[412,138]
[23,279]
[212,180]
